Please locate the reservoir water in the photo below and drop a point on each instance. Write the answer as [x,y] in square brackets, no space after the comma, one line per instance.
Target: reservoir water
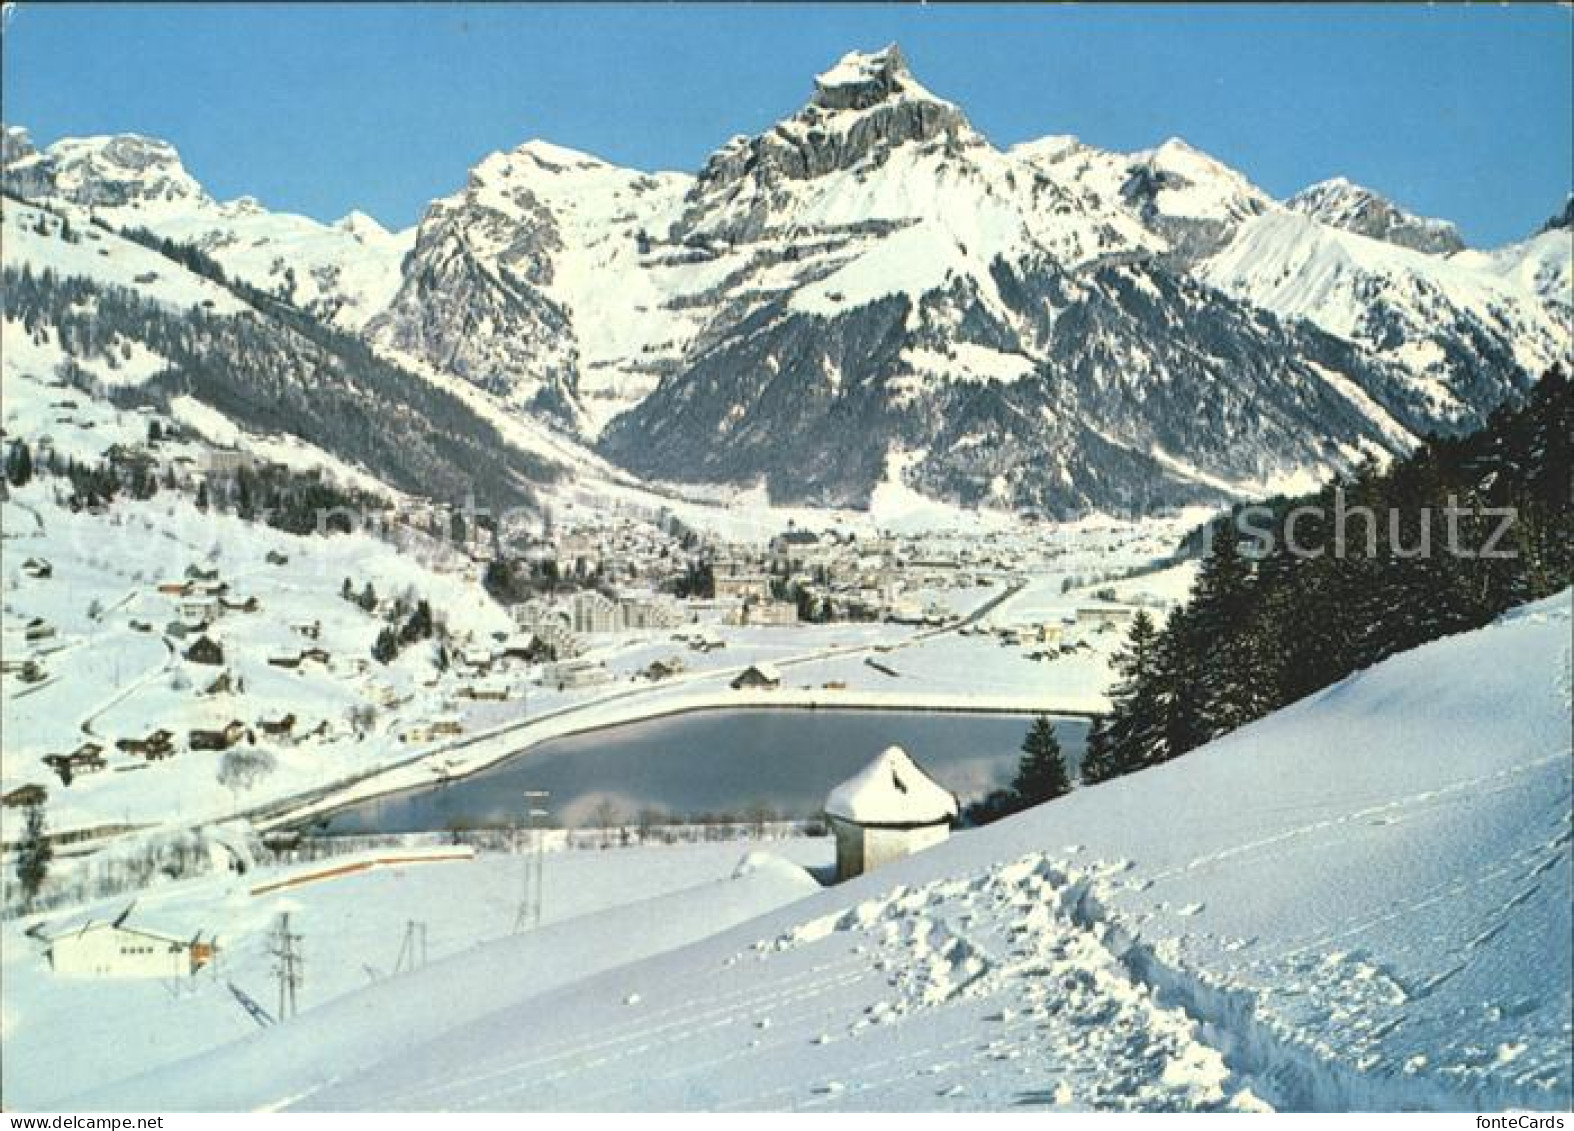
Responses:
[711,763]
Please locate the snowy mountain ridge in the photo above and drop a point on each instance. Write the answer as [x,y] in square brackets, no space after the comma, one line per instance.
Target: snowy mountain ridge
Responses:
[1050,326]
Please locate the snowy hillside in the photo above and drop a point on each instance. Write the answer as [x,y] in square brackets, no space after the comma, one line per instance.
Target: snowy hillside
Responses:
[1465,336]
[1362,901]
[342,272]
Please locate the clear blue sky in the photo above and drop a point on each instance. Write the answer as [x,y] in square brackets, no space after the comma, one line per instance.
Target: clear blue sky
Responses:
[1457,112]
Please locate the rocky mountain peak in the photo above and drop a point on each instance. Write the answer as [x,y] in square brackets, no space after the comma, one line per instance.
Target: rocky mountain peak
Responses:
[1340,203]
[862,80]
[1563,220]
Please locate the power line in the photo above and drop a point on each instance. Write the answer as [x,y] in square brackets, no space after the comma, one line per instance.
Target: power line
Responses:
[529,912]
[287,965]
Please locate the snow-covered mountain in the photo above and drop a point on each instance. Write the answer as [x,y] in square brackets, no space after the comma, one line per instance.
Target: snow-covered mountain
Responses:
[871,292]
[1342,204]
[342,272]
[529,283]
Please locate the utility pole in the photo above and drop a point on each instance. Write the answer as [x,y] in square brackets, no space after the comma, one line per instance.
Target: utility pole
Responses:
[529,912]
[287,964]
[412,951]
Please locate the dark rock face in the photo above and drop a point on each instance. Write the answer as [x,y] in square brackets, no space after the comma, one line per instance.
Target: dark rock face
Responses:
[1563,220]
[1359,210]
[488,319]
[1155,391]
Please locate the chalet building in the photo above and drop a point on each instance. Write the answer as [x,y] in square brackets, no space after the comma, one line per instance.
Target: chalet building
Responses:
[37,629]
[489,690]
[114,948]
[38,568]
[278,728]
[157,745]
[665,669]
[222,739]
[195,572]
[758,677]
[245,605]
[197,613]
[888,810]
[205,650]
[85,759]
[25,669]
[444,726]
[24,795]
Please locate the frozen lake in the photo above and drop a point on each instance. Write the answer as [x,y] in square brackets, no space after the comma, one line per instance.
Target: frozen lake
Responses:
[714,762]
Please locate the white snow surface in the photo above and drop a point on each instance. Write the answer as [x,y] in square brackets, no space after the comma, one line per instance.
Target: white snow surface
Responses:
[891,790]
[1362,901]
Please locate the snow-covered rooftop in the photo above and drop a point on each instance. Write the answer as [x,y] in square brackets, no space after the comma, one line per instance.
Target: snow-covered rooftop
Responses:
[891,790]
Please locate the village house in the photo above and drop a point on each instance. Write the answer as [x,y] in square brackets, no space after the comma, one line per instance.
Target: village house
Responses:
[779,613]
[743,586]
[113,948]
[1102,616]
[38,568]
[277,728]
[222,739]
[444,726]
[197,613]
[85,759]
[491,690]
[25,669]
[157,745]
[888,810]
[758,677]
[567,675]
[664,669]
[37,629]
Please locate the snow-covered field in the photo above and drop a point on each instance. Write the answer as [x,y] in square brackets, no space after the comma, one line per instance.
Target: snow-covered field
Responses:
[64,1036]
[1362,901]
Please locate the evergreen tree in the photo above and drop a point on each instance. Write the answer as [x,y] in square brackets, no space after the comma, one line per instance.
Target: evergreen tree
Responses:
[19,464]
[386,649]
[1041,774]
[1135,732]
[1098,763]
[368,598]
[33,855]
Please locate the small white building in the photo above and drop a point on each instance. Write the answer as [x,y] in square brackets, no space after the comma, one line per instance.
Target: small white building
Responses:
[113,948]
[888,810]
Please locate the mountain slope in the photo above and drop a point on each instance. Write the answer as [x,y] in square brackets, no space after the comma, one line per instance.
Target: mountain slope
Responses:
[1465,337]
[94,300]
[1361,902]
[343,273]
